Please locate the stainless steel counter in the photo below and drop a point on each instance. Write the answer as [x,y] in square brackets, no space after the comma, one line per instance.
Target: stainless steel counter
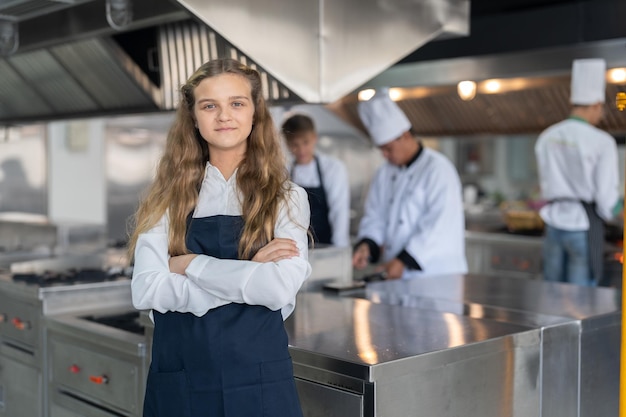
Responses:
[580,330]
[500,253]
[353,357]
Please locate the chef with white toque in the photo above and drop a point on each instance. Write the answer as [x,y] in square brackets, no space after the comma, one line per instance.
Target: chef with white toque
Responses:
[578,176]
[413,222]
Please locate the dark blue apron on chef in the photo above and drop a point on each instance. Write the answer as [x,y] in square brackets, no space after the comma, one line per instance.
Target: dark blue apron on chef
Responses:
[231,362]
[320,225]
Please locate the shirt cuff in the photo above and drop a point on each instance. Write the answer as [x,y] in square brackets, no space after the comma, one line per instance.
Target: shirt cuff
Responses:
[408,260]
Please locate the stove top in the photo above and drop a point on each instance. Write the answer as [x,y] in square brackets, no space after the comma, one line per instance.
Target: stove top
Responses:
[128,321]
[71,277]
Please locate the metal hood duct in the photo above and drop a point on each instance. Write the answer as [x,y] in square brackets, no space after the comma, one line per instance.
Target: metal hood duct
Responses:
[71,63]
[322,50]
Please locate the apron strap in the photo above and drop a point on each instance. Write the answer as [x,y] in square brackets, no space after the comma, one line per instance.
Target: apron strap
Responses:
[595,236]
[596,241]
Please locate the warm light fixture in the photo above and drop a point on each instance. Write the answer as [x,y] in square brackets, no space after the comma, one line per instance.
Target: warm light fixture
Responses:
[616,75]
[395,94]
[492,86]
[620,101]
[365,95]
[466,90]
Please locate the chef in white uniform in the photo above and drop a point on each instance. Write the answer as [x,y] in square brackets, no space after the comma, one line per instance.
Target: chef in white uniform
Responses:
[413,222]
[578,175]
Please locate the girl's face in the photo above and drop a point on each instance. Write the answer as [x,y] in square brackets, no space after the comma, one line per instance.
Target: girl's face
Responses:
[224,112]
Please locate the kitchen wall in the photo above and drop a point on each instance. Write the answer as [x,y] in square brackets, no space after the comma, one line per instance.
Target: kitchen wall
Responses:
[503,167]
[23,175]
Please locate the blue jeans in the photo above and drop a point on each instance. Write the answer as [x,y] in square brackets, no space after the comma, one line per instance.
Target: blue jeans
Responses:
[566,257]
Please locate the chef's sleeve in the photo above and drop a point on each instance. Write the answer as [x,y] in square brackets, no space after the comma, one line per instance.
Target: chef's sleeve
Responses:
[606,179]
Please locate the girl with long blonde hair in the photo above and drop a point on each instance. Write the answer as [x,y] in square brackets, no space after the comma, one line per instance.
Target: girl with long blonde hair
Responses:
[220,250]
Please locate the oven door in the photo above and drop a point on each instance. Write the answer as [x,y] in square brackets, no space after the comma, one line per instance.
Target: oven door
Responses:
[94,370]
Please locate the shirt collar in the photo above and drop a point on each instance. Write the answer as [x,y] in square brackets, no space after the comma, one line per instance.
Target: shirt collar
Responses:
[414,158]
[580,119]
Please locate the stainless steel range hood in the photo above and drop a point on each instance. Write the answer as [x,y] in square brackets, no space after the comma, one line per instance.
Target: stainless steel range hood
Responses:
[72,63]
[19,10]
[323,49]
[537,94]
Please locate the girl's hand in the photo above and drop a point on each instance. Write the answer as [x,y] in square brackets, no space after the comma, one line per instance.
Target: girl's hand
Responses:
[276,250]
[178,264]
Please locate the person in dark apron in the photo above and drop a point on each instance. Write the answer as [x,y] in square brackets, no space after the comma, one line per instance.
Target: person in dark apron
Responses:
[232,361]
[325,180]
[578,175]
[220,252]
[321,230]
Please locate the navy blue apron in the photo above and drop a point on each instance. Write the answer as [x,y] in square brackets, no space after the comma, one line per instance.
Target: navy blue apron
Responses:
[231,362]
[320,225]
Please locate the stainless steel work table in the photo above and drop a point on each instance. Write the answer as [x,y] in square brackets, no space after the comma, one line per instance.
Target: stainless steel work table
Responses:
[580,330]
[353,357]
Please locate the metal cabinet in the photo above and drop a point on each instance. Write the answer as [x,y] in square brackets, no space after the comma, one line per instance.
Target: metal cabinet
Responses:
[20,389]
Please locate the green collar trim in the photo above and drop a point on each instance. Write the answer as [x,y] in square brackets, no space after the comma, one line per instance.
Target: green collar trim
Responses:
[580,119]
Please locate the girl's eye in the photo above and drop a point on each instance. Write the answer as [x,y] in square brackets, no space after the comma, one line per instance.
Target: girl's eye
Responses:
[209,106]
[237,104]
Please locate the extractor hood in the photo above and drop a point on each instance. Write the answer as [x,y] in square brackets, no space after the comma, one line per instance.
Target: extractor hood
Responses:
[535,90]
[72,63]
[323,49]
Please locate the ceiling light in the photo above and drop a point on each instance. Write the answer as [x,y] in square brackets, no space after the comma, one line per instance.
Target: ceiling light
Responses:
[395,94]
[466,90]
[617,75]
[492,86]
[365,95]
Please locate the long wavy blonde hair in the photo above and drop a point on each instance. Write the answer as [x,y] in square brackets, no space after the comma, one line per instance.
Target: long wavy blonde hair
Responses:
[262,178]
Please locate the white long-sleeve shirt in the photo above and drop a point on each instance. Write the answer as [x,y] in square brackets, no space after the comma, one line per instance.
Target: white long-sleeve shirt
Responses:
[576,161]
[211,282]
[418,209]
[337,188]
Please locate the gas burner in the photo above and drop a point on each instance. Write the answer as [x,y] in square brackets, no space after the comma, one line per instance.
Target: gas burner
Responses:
[128,321]
[69,277]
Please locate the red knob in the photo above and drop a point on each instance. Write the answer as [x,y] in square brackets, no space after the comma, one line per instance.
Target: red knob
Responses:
[19,324]
[74,369]
[102,379]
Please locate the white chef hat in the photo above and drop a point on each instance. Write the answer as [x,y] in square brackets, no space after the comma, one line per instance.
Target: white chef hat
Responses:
[588,81]
[383,118]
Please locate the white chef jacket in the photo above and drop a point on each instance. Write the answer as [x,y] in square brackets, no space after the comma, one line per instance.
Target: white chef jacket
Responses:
[576,161]
[337,188]
[211,282]
[418,209]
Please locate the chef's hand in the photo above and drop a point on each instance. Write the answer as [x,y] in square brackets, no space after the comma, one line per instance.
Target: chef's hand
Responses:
[392,269]
[178,264]
[361,256]
[277,249]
